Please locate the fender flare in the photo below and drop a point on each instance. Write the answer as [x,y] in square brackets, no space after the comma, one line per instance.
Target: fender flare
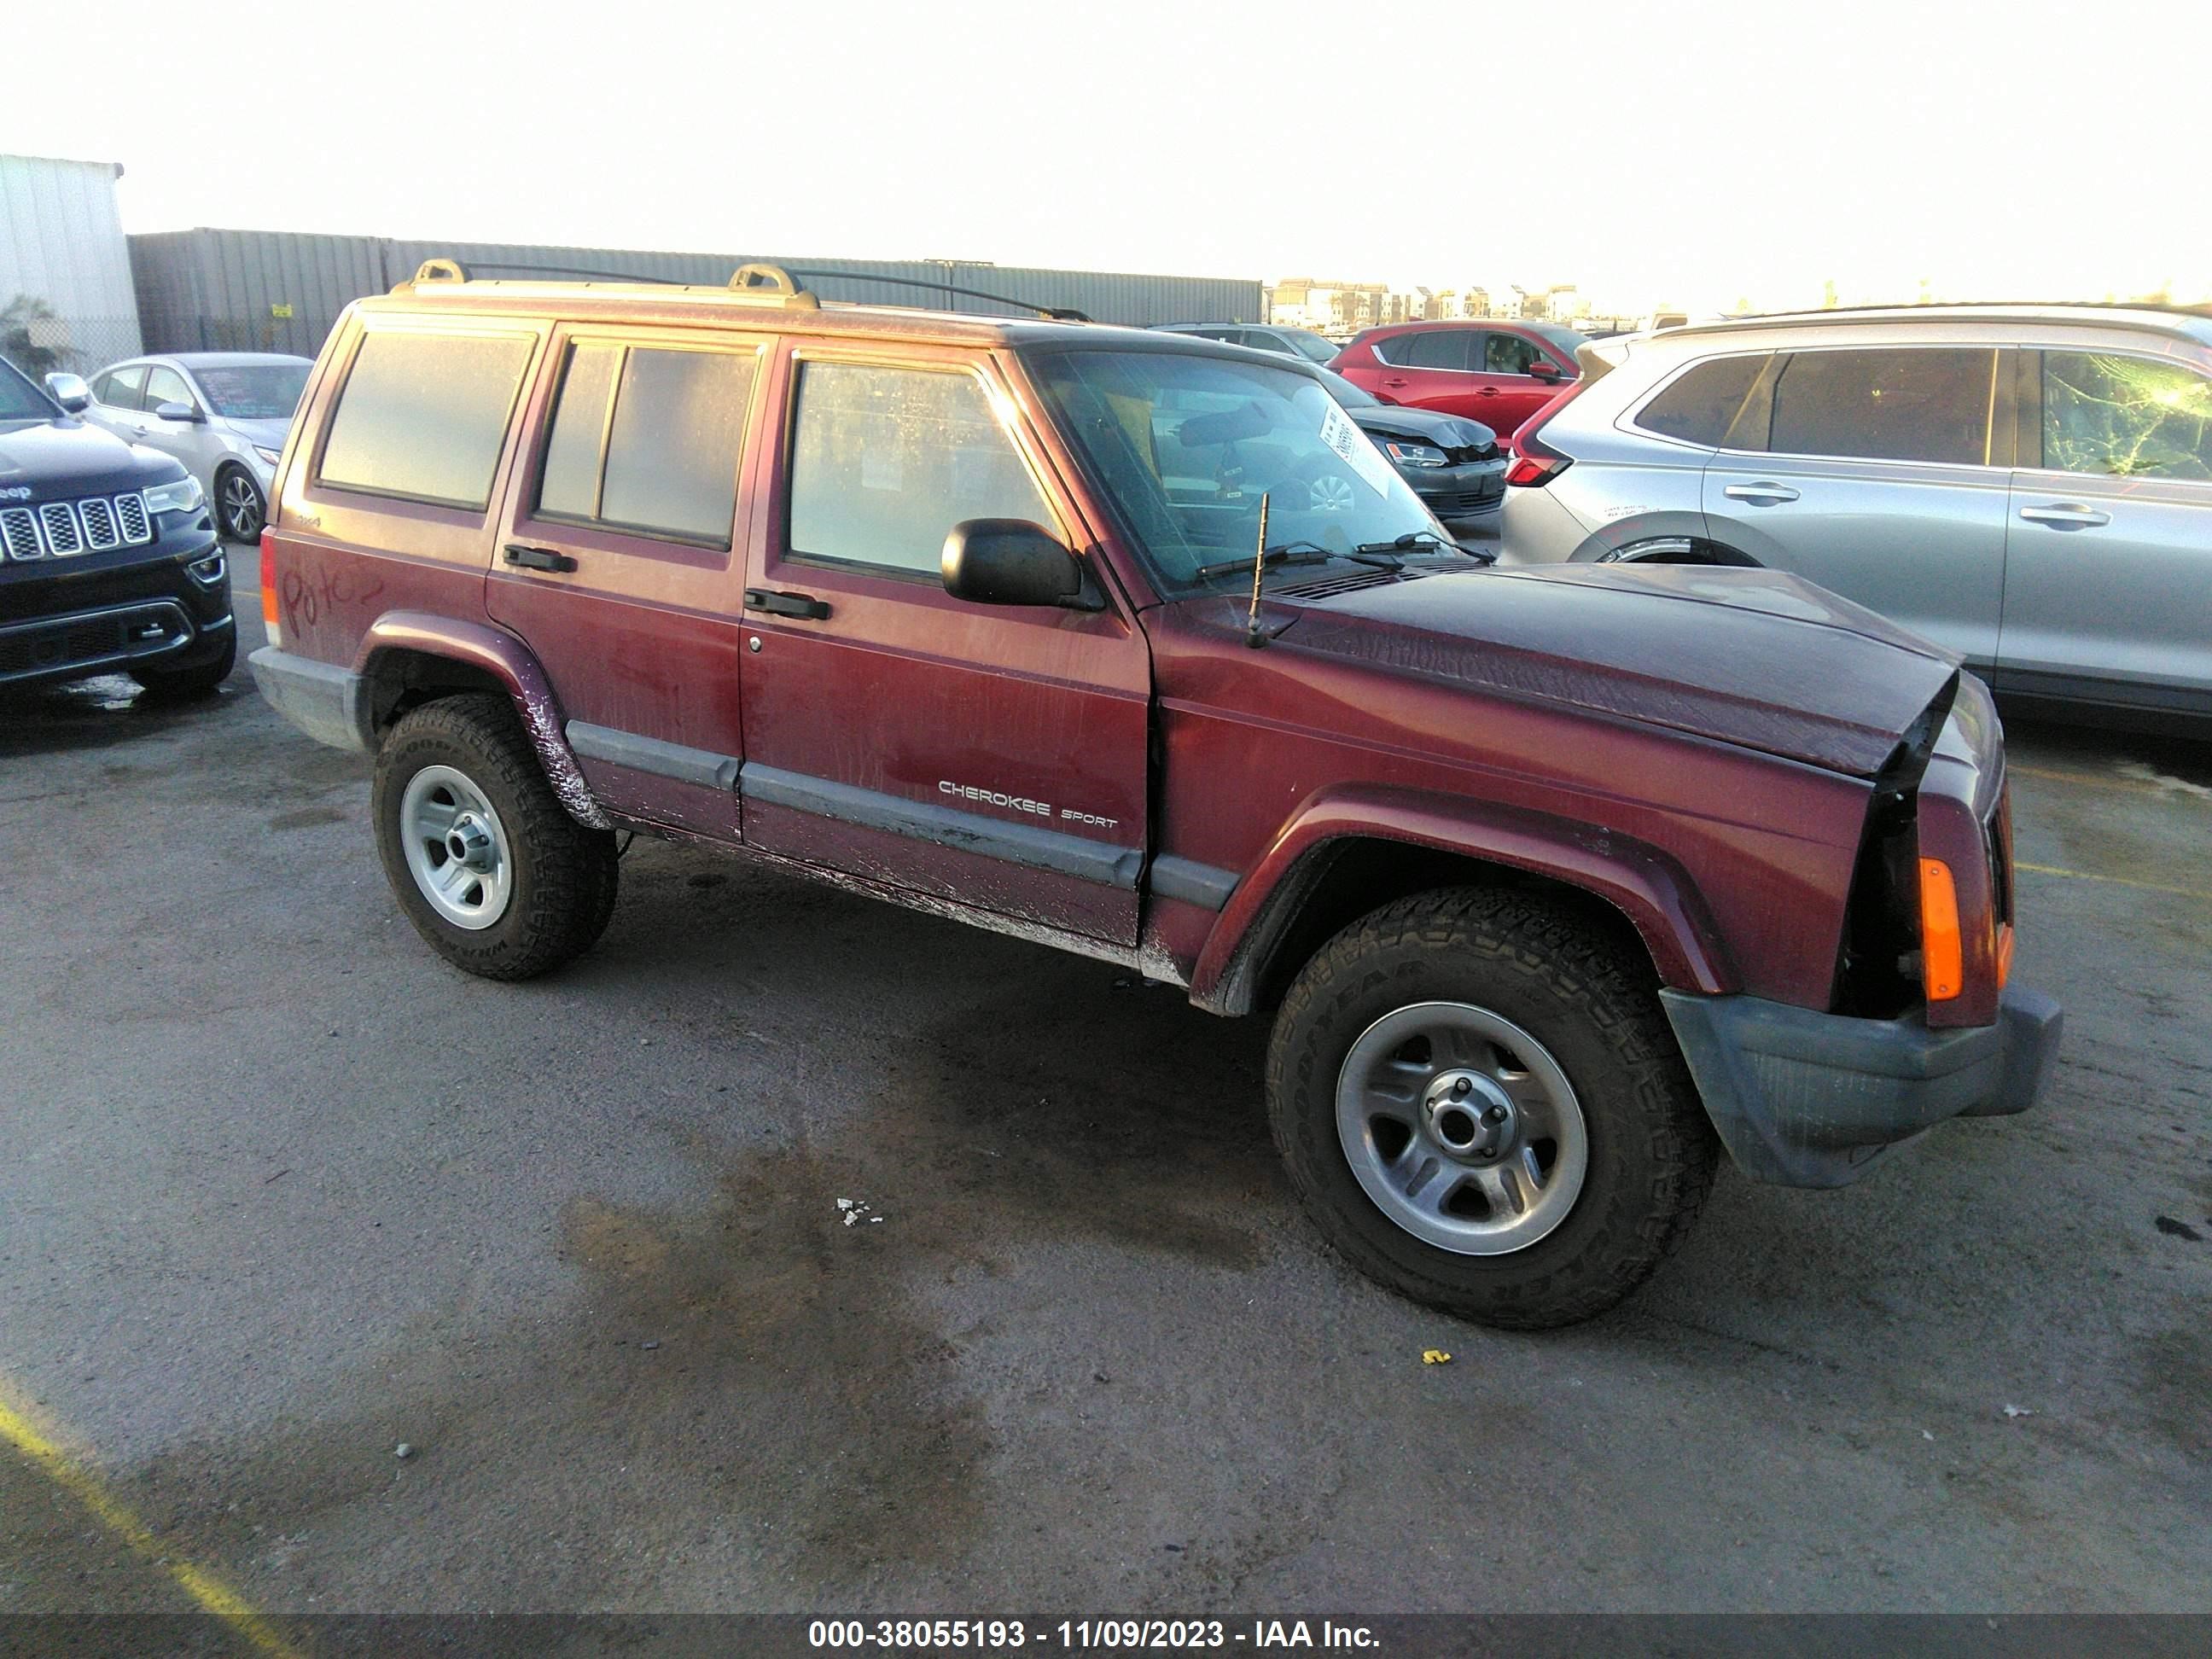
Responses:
[507,659]
[1645,884]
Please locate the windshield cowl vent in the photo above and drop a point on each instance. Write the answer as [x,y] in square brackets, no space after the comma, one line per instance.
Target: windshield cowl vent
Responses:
[1323,588]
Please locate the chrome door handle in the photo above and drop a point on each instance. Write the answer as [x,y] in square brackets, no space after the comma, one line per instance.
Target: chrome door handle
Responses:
[1766,495]
[2066,515]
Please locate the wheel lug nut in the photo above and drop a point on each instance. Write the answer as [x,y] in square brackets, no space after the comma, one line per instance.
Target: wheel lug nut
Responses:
[1462,1087]
[1486,1151]
[1494,1116]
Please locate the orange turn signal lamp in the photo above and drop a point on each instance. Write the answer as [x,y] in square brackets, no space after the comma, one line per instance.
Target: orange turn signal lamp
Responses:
[1942,956]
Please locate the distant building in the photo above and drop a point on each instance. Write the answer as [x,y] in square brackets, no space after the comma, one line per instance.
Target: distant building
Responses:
[65,294]
[1338,309]
[1474,302]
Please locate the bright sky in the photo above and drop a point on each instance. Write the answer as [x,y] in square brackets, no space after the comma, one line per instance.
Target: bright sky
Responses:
[1690,154]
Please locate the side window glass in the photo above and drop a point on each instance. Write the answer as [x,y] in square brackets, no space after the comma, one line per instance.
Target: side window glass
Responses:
[1508,354]
[2125,417]
[423,417]
[645,438]
[122,388]
[1928,404]
[166,385]
[1436,348]
[1700,406]
[885,461]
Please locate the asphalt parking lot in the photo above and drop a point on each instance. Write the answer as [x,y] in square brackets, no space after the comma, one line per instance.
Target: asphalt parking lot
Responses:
[286,1193]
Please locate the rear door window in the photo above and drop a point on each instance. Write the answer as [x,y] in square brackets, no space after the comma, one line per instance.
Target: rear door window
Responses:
[423,417]
[648,439]
[1436,348]
[1701,406]
[1929,403]
[884,461]
[2125,417]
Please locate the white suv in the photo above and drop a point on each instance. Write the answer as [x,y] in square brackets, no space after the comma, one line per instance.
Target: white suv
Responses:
[2030,486]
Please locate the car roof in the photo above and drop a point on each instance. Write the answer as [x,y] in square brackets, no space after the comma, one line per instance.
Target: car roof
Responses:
[233,359]
[2180,322]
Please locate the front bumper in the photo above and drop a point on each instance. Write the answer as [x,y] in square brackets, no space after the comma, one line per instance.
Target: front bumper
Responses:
[1465,492]
[69,621]
[1806,1099]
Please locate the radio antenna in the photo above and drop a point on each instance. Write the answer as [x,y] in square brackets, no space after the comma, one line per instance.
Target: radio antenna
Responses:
[1253,636]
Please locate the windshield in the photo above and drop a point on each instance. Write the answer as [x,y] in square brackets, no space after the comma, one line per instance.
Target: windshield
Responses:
[1565,338]
[20,400]
[1188,445]
[1312,345]
[1351,396]
[253,392]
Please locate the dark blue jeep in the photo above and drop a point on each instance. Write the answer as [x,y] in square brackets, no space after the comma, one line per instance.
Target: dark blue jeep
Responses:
[109,560]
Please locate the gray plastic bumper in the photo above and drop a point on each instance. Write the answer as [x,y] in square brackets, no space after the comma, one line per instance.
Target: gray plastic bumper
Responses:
[1805,1099]
[327,703]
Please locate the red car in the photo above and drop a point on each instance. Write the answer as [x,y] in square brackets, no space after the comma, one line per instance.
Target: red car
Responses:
[1554,884]
[1495,371]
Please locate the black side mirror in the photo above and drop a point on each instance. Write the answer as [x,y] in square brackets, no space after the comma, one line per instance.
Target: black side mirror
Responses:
[1545,369]
[1013,561]
[188,412]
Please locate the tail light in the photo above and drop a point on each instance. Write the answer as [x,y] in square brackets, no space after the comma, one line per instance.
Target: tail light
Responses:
[1942,953]
[1536,463]
[270,625]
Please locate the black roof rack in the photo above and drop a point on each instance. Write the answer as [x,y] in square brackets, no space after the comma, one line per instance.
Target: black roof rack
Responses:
[778,283]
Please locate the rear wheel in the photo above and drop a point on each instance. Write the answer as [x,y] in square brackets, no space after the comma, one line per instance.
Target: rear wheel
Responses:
[486,862]
[1481,1105]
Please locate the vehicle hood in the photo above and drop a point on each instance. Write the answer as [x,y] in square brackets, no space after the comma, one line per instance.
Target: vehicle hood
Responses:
[1424,426]
[1751,656]
[59,459]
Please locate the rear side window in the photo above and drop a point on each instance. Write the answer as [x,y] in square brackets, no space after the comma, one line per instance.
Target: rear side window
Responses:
[885,461]
[2125,417]
[1701,406]
[423,417]
[1931,405]
[646,438]
[121,388]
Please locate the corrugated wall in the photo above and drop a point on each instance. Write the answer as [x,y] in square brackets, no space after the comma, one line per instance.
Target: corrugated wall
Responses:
[223,289]
[62,245]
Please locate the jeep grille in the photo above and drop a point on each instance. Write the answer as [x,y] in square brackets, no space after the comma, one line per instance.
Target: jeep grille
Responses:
[97,524]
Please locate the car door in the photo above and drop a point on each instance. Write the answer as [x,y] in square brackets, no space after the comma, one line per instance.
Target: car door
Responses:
[616,562]
[2108,559]
[190,441]
[1435,368]
[117,402]
[993,755]
[1508,384]
[1883,477]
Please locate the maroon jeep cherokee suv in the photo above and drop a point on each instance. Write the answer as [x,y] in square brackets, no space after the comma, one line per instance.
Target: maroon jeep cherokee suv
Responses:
[1557,883]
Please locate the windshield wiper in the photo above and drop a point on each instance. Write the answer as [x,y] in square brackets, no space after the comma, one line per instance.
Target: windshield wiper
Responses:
[1287,553]
[1410,539]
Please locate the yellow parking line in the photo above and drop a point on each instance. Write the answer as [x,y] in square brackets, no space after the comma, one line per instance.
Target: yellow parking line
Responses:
[210,1593]
[2116,881]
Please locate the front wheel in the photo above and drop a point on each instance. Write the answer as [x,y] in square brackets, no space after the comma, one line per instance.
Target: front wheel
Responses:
[196,681]
[1481,1105]
[482,855]
[240,506]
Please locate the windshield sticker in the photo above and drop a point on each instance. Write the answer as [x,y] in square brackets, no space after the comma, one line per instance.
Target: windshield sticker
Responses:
[1355,448]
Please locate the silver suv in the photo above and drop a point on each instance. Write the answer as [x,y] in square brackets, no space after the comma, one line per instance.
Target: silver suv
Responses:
[2028,485]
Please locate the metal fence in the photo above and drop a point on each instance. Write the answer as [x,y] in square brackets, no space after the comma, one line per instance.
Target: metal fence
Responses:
[43,344]
[244,290]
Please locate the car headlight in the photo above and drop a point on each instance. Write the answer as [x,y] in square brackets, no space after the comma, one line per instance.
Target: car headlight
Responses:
[271,456]
[1412,454]
[182,496]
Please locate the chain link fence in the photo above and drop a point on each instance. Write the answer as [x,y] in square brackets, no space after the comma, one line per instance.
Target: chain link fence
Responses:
[40,342]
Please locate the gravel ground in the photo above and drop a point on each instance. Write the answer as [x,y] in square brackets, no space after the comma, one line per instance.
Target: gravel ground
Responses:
[286,1192]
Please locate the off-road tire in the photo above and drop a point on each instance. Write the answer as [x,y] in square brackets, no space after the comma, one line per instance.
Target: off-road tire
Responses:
[565,875]
[1537,964]
[196,681]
